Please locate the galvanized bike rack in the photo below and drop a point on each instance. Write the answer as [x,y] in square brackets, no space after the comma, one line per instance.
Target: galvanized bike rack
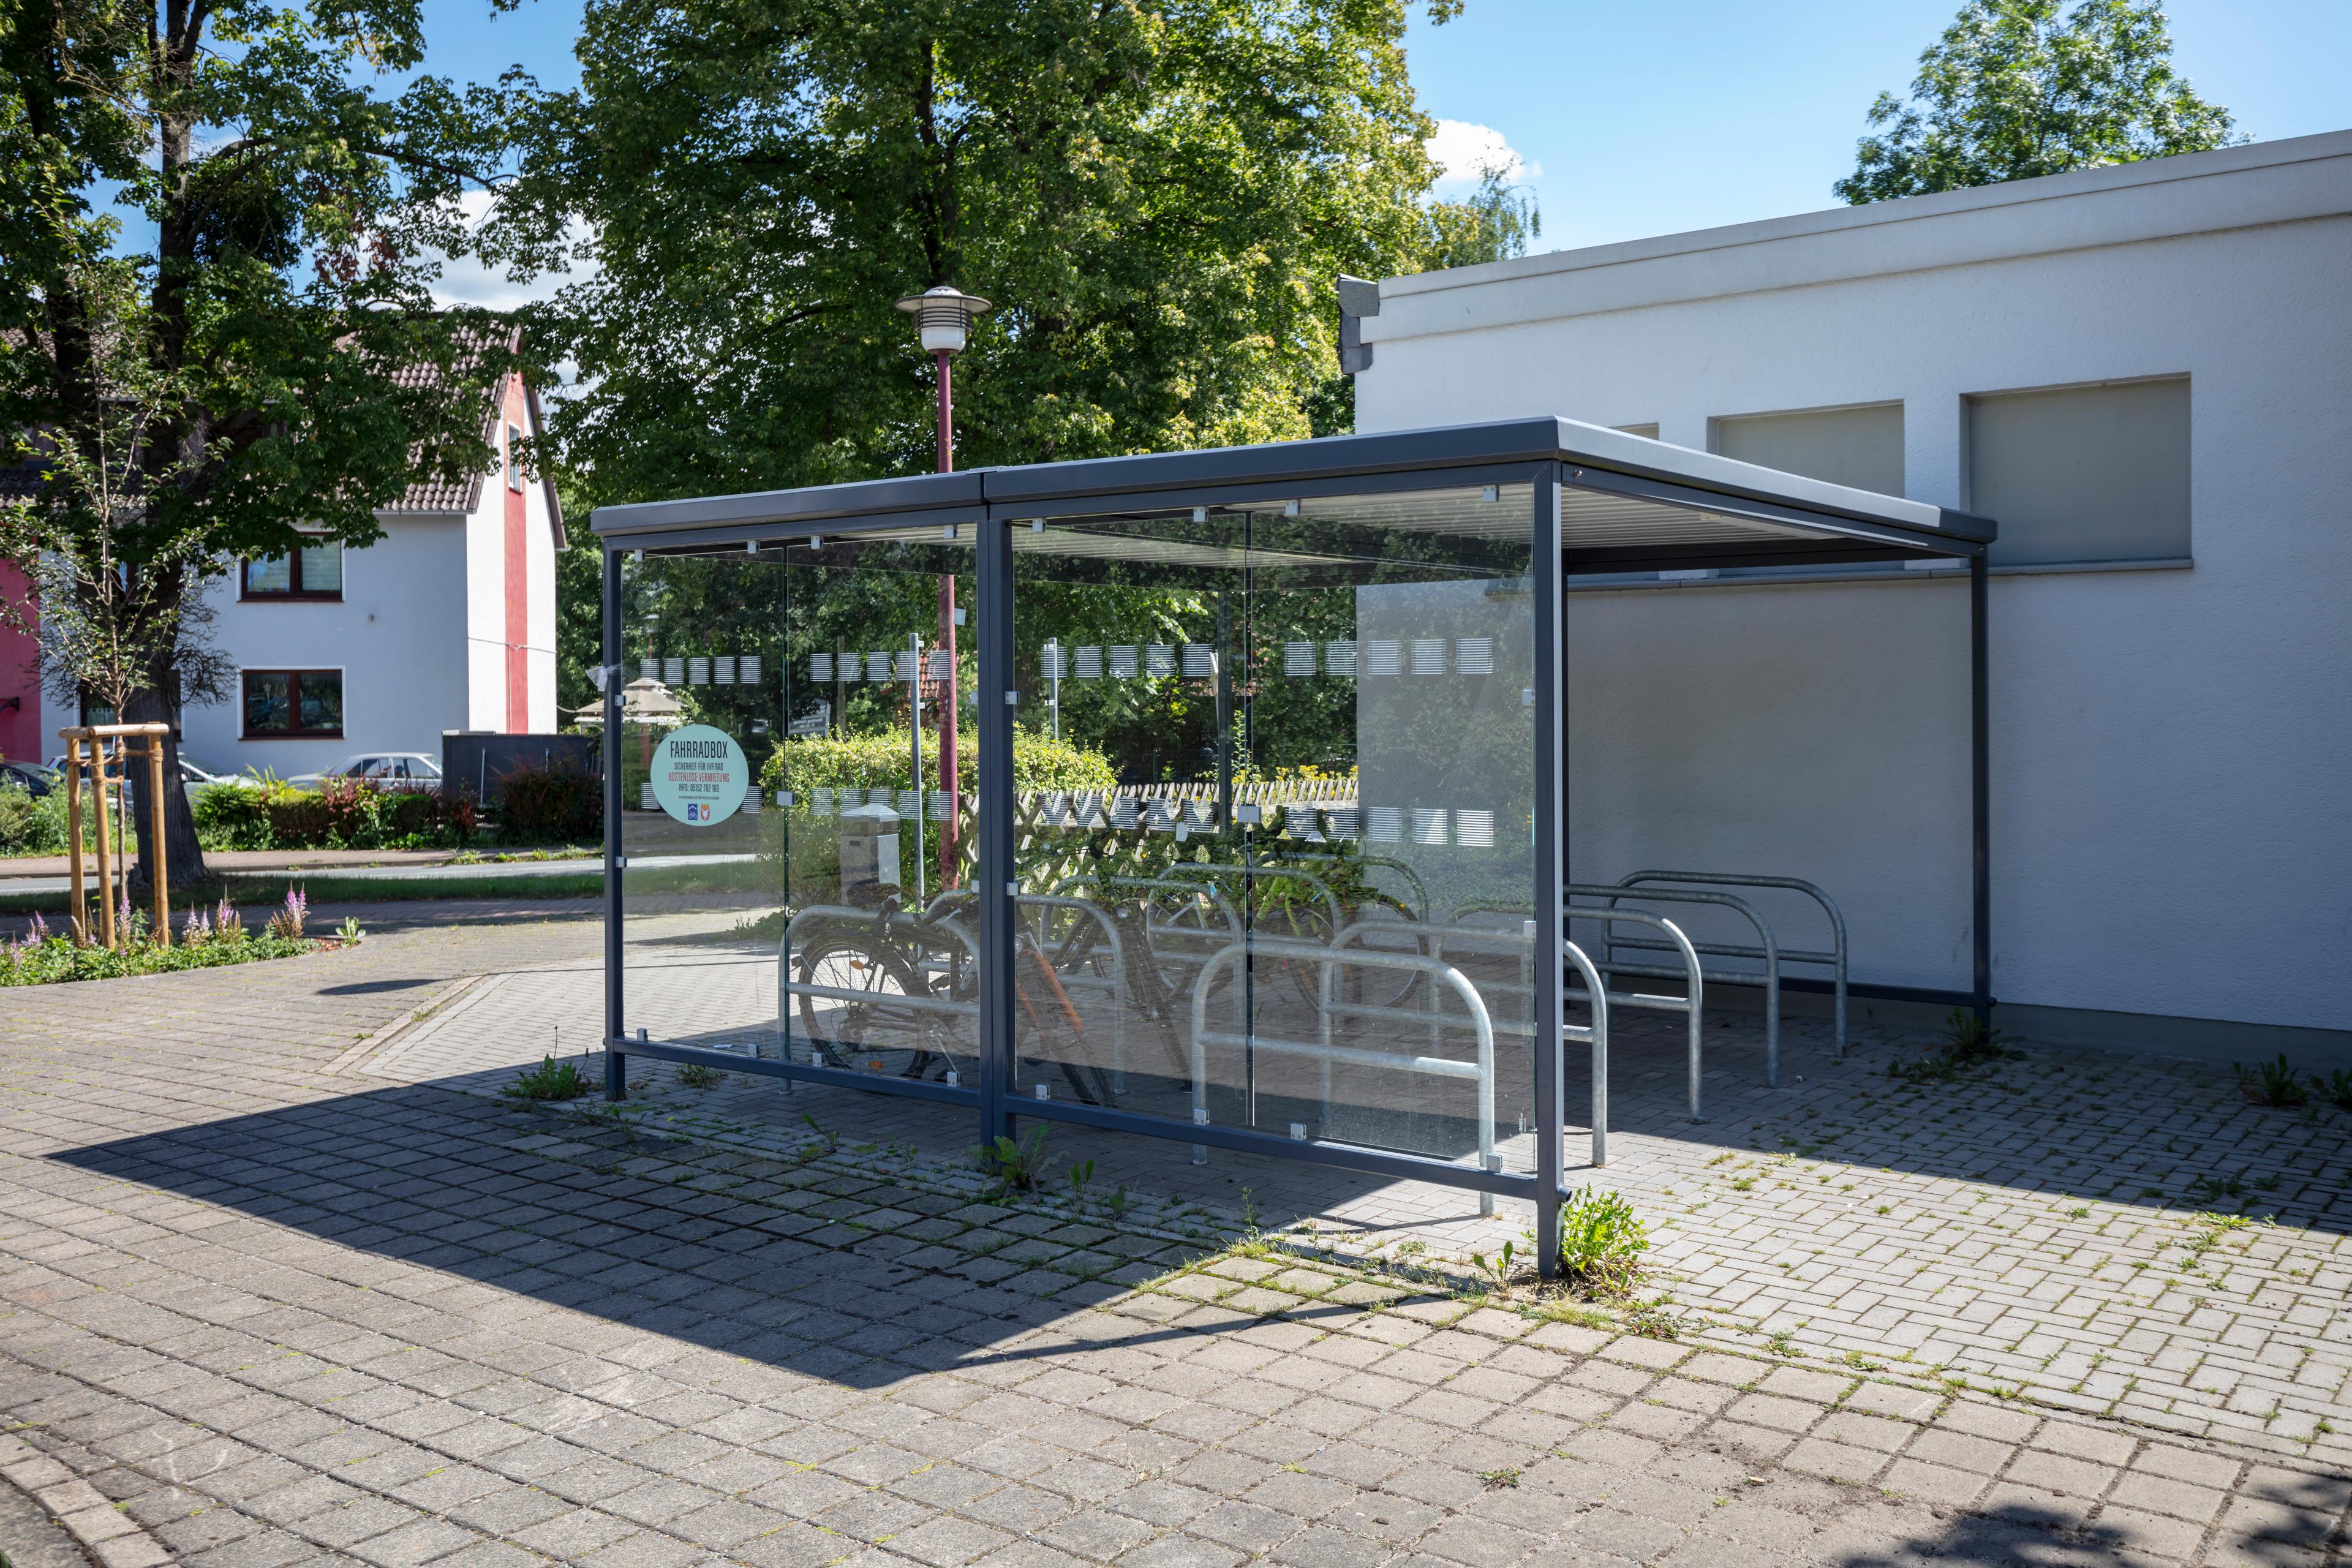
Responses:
[1596,997]
[1692,1005]
[1834,959]
[1754,917]
[1322,1049]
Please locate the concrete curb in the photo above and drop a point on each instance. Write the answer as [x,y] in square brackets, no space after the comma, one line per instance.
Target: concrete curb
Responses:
[111,1537]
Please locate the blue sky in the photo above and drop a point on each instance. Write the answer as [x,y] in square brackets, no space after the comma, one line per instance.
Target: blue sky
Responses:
[1681,114]
[1658,117]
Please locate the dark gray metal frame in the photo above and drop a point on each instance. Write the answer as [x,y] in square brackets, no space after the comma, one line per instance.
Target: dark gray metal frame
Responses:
[1556,455]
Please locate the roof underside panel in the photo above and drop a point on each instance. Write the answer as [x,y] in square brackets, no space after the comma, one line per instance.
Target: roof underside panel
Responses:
[1626,503]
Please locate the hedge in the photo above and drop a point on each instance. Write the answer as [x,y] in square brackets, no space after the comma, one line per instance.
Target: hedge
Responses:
[879,760]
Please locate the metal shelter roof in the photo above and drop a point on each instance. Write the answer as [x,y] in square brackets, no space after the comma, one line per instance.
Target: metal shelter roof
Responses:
[1628,503]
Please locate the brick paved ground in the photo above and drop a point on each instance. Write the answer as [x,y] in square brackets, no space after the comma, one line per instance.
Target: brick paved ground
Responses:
[272,1312]
[2116,1237]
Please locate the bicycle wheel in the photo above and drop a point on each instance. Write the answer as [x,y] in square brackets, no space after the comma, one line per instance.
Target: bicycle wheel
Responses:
[874,1030]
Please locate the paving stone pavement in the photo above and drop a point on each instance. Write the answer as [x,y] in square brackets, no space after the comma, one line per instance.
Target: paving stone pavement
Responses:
[270,1313]
[2116,1237]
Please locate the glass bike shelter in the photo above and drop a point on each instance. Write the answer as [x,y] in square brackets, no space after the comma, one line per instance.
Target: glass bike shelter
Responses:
[1215,796]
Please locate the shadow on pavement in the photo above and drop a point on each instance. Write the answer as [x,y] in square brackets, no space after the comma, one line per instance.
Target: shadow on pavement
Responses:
[801,1267]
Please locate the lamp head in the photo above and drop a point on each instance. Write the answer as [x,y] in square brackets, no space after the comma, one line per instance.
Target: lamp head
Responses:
[944,317]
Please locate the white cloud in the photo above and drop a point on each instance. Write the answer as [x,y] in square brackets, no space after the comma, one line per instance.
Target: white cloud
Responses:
[1463,151]
[465,280]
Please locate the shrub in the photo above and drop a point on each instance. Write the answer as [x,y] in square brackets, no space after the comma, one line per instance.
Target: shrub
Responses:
[556,803]
[341,814]
[31,824]
[879,761]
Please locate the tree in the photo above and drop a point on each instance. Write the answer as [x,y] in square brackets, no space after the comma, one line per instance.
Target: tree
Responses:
[257,357]
[2013,89]
[1159,198]
[1494,223]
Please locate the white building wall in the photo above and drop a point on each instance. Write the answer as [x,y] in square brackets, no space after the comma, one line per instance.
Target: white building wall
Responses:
[2170,747]
[486,611]
[397,635]
[540,588]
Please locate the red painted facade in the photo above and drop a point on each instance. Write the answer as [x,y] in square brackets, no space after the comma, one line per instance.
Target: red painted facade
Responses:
[20,674]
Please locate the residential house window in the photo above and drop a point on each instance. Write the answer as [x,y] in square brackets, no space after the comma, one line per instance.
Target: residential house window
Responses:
[293,703]
[514,452]
[313,572]
[1647,432]
[1859,446]
[2083,473]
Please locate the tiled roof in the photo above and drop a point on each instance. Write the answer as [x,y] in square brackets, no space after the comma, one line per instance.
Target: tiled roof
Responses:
[21,481]
[434,495]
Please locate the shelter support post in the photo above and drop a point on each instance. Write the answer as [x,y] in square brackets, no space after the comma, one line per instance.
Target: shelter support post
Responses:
[993,573]
[616,1066]
[1980,792]
[1550,867]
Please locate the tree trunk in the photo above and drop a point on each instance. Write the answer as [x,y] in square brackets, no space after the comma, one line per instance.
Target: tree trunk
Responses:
[183,858]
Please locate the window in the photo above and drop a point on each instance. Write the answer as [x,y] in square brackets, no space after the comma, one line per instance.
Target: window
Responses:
[293,702]
[313,572]
[1647,432]
[1862,446]
[514,455]
[2083,473]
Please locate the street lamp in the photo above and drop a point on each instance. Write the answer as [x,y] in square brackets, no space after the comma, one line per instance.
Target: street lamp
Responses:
[944,316]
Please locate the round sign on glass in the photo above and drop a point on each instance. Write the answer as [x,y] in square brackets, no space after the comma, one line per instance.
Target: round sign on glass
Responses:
[699,774]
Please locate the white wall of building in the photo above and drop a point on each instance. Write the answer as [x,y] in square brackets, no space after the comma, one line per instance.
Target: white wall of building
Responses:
[486,611]
[397,635]
[540,538]
[2170,748]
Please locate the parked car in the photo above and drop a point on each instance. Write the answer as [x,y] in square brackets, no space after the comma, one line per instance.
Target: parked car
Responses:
[194,778]
[413,768]
[31,777]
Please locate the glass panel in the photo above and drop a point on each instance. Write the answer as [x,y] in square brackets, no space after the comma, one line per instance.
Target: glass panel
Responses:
[269,703]
[323,567]
[820,907]
[1276,776]
[322,699]
[272,575]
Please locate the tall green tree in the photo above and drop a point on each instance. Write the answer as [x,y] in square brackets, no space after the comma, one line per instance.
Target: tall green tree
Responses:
[254,356]
[1159,198]
[1492,223]
[2014,89]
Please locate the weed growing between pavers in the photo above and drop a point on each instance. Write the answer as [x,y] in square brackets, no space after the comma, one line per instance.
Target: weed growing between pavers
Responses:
[1012,1165]
[550,1079]
[1969,1045]
[2270,1083]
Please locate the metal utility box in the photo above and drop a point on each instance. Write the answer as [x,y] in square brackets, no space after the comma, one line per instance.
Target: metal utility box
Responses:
[869,851]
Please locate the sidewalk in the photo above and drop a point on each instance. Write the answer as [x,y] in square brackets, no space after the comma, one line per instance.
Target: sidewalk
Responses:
[20,867]
[264,1311]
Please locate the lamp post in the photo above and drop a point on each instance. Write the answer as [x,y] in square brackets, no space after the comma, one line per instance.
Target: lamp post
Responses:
[944,316]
